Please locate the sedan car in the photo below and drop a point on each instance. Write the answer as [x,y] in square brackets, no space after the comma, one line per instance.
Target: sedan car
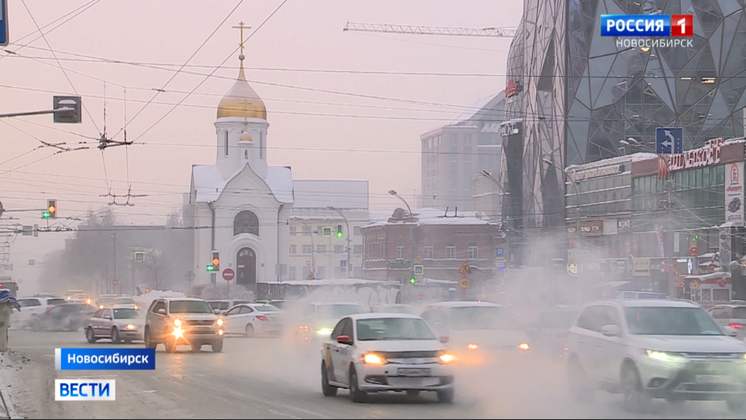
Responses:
[32,307]
[63,317]
[731,315]
[385,352]
[252,319]
[315,321]
[119,323]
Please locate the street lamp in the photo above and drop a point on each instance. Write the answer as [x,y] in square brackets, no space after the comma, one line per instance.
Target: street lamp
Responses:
[395,194]
[347,223]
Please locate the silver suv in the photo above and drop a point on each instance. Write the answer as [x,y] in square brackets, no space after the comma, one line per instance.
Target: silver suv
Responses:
[174,321]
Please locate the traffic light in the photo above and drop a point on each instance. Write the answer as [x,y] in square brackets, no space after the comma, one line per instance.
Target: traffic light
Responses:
[51,211]
[214,265]
[412,280]
[339,232]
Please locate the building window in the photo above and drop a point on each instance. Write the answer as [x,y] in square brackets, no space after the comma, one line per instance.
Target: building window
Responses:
[450,251]
[307,249]
[342,263]
[358,249]
[428,251]
[306,230]
[293,230]
[293,249]
[291,272]
[327,231]
[246,222]
[400,251]
[339,249]
[225,142]
[321,249]
[473,252]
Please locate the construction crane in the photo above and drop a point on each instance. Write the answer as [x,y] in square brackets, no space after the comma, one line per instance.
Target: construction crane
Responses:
[493,32]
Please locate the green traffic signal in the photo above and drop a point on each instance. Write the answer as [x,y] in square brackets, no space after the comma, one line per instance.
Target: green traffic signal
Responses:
[339,234]
[210,268]
[46,214]
[413,280]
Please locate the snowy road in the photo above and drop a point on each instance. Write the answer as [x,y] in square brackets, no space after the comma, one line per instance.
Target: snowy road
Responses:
[262,378]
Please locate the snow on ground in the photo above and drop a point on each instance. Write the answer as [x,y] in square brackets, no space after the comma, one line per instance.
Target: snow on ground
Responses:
[11,365]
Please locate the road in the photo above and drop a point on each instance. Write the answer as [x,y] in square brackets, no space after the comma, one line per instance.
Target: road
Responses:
[265,378]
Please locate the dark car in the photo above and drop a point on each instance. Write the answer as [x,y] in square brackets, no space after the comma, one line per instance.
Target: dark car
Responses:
[63,317]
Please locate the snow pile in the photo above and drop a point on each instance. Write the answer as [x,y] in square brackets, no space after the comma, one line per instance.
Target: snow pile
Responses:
[11,364]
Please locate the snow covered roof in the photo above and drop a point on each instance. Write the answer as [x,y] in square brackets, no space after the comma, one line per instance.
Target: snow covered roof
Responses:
[432,216]
[338,282]
[316,213]
[634,157]
[322,193]
[209,183]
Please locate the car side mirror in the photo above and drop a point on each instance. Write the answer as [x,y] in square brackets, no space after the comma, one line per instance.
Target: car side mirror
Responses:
[344,339]
[161,311]
[730,332]
[610,330]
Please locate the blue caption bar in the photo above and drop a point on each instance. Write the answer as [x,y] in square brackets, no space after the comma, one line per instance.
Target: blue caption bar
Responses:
[635,25]
[104,359]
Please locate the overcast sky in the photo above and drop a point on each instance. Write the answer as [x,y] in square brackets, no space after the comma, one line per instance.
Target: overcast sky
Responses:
[320,134]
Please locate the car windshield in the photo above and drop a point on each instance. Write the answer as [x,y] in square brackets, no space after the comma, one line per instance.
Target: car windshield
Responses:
[189,306]
[265,308]
[377,329]
[219,305]
[28,302]
[338,311]
[55,301]
[125,313]
[479,318]
[654,320]
[124,301]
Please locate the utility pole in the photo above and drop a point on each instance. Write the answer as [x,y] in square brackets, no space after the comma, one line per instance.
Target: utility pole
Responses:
[115,280]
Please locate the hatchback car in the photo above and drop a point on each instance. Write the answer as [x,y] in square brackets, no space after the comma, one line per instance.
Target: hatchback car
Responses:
[385,352]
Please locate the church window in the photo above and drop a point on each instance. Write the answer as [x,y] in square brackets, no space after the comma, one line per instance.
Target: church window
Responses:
[246,154]
[246,222]
[225,142]
[261,145]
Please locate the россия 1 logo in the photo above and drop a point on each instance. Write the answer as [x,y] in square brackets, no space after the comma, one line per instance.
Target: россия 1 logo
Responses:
[647,25]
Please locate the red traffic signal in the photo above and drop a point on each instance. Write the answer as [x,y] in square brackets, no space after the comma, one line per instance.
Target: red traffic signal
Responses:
[693,251]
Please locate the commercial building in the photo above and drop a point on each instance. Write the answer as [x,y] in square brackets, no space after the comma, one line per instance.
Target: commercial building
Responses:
[573,95]
[453,155]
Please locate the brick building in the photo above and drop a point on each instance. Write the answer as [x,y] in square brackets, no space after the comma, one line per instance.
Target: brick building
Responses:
[440,241]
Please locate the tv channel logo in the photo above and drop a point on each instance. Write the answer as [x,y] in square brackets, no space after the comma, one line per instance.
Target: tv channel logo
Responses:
[647,25]
[85,390]
[104,359]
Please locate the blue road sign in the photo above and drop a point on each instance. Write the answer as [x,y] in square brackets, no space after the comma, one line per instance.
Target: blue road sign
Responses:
[499,252]
[3,22]
[669,140]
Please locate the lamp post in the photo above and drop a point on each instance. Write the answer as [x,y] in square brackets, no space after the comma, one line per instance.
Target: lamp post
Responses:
[412,234]
[395,194]
[347,224]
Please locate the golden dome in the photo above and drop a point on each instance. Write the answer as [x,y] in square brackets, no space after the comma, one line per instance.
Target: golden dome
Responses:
[241,101]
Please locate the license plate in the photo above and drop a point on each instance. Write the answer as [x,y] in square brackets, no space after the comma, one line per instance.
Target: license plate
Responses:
[711,379]
[413,372]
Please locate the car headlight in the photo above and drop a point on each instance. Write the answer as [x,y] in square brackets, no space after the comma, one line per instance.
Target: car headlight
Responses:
[324,332]
[524,347]
[472,347]
[131,326]
[665,357]
[177,323]
[374,359]
[446,358]
[220,322]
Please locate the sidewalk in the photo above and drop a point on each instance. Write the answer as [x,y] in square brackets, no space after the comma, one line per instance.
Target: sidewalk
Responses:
[12,364]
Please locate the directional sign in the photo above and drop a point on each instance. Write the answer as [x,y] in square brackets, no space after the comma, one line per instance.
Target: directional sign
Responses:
[499,252]
[3,23]
[669,140]
[228,274]
[419,269]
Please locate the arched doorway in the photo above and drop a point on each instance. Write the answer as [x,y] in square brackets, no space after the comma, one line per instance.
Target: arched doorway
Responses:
[246,268]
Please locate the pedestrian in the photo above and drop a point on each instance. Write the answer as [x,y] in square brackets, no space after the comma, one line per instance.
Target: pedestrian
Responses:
[7,303]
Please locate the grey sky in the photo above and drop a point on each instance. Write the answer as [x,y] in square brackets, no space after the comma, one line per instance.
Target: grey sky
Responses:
[303,34]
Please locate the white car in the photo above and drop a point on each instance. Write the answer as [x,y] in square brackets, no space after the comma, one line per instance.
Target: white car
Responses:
[32,307]
[385,352]
[118,323]
[252,319]
[654,348]
[478,332]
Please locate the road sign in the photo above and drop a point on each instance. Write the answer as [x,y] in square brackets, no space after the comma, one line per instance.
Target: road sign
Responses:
[228,274]
[693,251]
[690,266]
[499,252]
[572,268]
[419,269]
[3,23]
[67,109]
[463,283]
[694,284]
[669,140]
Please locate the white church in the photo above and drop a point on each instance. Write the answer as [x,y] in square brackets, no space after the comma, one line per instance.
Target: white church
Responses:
[241,206]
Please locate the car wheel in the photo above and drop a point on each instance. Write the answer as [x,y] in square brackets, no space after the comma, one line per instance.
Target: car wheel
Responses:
[326,389]
[217,346]
[170,346]
[577,381]
[89,336]
[115,338]
[148,340]
[446,396]
[249,331]
[356,395]
[635,398]
[736,405]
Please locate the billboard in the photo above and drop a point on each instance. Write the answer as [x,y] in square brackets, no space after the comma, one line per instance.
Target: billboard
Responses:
[734,194]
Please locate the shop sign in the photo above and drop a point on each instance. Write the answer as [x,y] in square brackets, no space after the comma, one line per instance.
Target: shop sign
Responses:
[580,175]
[592,227]
[697,158]
[734,194]
[624,225]
[641,266]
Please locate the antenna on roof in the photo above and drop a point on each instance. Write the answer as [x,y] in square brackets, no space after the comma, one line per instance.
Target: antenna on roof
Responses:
[455,214]
[446,213]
